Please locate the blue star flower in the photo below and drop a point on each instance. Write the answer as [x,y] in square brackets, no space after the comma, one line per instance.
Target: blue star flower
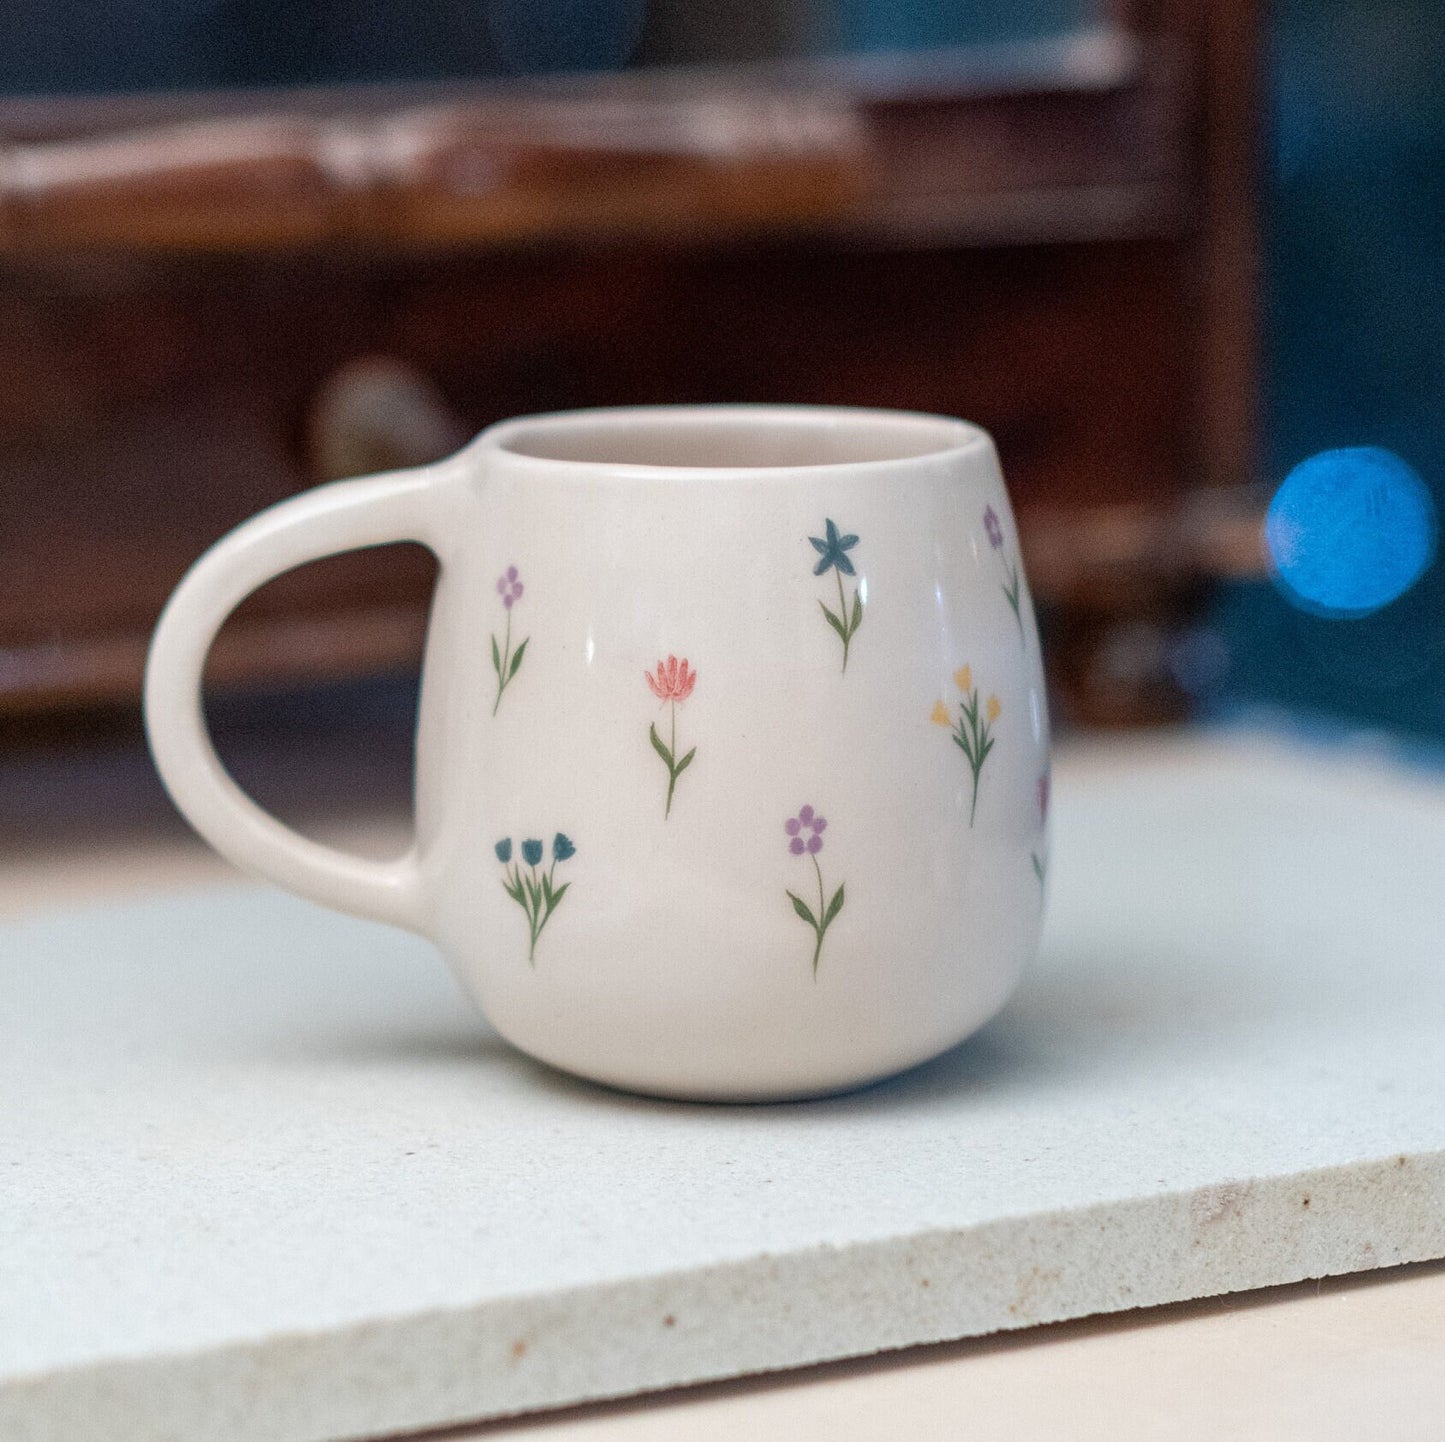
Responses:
[531,852]
[832,550]
[504,850]
[562,847]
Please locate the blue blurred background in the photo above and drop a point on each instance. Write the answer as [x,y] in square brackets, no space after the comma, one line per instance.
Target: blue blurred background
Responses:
[53,46]
[1354,334]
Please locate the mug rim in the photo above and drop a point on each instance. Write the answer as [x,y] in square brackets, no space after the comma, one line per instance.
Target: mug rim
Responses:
[951,437]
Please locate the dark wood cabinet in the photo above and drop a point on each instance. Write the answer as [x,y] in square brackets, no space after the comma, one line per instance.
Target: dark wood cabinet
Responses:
[210,302]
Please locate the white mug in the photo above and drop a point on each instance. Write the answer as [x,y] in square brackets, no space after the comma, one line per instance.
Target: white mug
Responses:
[732,758]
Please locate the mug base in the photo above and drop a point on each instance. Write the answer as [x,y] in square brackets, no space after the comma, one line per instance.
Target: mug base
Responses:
[748,1092]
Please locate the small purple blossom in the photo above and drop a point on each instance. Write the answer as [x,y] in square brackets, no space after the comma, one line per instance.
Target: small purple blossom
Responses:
[798,828]
[991,525]
[509,588]
[805,838]
[506,661]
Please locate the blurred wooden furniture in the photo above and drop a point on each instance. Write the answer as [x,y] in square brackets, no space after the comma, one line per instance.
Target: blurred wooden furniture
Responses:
[208,302]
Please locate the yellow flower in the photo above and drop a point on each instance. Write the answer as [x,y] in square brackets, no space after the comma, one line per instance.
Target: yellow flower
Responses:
[940,716]
[964,679]
[993,708]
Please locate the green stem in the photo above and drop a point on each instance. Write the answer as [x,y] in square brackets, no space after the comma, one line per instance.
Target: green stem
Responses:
[506,657]
[980,736]
[843,617]
[671,764]
[1011,593]
[535,913]
[822,925]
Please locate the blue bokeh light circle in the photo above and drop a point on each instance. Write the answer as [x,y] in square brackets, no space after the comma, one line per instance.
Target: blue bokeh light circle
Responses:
[1349,531]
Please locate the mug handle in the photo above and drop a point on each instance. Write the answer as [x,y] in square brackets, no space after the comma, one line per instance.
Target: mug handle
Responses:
[343,516]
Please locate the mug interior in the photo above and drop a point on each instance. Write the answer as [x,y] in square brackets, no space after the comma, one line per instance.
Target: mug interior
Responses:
[734,437]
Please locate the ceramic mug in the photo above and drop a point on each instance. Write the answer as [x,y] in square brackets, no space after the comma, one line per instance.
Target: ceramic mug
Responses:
[732,759]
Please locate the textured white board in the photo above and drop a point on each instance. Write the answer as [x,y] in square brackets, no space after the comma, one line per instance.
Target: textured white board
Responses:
[263,1175]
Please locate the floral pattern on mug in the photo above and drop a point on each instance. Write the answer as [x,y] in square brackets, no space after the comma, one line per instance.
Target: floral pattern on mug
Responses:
[832,548]
[805,838]
[1010,584]
[672,686]
[534,890]
[972,732]
[505,662]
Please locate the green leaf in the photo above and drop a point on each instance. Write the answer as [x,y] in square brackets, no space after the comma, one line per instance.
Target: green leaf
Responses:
[857,613]
[834,906]
[961,742]
[534,894]
[514,891]
[660,746]
[517,659]
[557,896]
[496,658]
[684,763]
[547,890]
[835,623]
[801,907]
[1038,866]
[985,749]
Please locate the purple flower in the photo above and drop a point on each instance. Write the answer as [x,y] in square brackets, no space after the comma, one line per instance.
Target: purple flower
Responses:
[991,525]
[509,588]
[806,832]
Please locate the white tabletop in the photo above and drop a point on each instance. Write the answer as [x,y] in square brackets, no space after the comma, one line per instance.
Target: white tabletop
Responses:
[1223,1073]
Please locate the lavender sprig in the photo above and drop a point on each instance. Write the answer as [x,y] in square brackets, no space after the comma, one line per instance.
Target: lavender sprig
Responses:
[805,838]
[504,662]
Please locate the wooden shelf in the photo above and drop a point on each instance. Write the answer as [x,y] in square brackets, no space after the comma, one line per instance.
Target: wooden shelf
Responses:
[1057,140]
[1056,240]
